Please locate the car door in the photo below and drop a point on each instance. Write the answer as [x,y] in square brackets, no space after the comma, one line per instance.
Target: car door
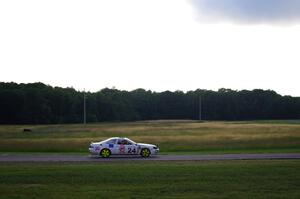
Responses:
[130,148]
[124,147]
[120,147]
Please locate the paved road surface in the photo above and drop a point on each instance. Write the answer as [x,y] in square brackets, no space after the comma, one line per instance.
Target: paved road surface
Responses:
[87,158]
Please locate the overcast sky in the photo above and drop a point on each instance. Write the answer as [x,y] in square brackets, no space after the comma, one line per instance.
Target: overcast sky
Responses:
[154,44]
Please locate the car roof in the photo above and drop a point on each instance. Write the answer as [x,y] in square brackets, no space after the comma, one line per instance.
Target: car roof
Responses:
[118,138]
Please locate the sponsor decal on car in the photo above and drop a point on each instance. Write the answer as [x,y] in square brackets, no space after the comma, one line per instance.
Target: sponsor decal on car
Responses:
[122,148]
[110,145]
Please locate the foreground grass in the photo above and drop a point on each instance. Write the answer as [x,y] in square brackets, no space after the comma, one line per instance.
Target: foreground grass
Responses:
[215,179]
[171,136]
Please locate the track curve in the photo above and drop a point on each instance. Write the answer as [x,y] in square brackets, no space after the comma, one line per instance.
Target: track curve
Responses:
[87,158]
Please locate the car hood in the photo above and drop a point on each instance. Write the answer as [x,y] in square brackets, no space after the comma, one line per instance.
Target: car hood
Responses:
[146,145]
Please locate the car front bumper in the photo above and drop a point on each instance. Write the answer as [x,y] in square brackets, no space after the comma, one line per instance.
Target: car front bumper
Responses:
[155,151]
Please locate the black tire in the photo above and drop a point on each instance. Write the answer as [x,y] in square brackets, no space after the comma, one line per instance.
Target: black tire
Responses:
[145,153]
[105,153]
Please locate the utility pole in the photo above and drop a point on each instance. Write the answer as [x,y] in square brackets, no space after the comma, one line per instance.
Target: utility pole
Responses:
[200,108]
[84,108]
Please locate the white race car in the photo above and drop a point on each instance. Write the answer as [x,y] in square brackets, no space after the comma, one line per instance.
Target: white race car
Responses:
[122,146]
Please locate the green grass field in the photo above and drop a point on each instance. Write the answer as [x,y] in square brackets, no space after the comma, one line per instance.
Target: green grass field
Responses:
[171,136]
[213,179]
[151,179]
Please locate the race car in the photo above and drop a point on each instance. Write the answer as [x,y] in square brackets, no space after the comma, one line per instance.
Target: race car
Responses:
[122,146]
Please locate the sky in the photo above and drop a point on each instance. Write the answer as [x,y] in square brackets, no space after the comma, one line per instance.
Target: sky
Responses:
[152,44]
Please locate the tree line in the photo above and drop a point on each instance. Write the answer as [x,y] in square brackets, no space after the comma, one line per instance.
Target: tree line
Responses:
[37,103]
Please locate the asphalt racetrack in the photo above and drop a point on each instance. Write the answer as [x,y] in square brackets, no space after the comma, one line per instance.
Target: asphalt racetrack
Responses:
[87,158]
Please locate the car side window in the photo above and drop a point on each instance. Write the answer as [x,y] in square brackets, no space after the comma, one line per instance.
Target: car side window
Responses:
[127,143]
[112,141]
[120,141]
[123,142]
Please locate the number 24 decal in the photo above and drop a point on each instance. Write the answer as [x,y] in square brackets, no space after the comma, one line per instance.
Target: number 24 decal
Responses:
[131,150]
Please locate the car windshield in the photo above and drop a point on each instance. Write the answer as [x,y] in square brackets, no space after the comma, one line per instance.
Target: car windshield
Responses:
[130,141]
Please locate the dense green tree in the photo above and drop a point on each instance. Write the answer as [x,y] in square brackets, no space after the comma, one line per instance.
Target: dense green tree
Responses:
[37,103]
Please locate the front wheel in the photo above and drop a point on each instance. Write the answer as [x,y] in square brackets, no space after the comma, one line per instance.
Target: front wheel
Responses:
[145,153]
[105,153]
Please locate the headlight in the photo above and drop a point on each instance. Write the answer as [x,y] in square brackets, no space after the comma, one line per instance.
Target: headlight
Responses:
[155,147]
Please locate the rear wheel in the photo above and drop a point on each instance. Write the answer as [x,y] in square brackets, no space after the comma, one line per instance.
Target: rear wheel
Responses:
[145,153]
[105,153]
